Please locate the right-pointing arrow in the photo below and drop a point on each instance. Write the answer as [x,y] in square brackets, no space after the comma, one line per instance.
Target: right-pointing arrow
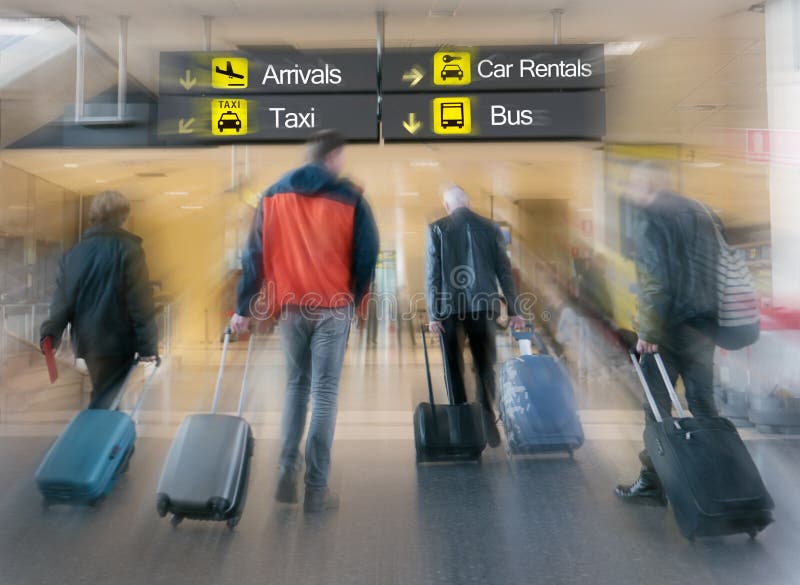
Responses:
[414,75]
[412,125]
[185,126]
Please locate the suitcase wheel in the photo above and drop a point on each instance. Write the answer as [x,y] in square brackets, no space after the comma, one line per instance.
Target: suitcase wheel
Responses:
[753,534]
[233,521]
[175,520]
[219,506]
[162,506]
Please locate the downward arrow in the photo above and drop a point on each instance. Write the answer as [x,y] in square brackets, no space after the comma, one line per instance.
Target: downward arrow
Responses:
[184,126]
[412,125]
[187,81]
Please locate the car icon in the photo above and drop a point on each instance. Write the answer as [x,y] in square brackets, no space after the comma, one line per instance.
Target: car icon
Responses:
[452,70]
[229,120]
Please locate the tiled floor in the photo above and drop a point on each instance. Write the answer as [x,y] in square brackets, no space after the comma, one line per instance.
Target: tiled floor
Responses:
[543,520]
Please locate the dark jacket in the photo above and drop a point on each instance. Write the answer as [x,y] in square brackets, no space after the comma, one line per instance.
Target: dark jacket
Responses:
[676,260]
[313,242]
[103,290]
[465,259]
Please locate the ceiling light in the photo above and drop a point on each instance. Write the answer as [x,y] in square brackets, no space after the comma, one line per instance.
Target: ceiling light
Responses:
[424,163]
[408,194]
[698,107]
[18,208]
[585,210]
[621,48]
[191,207]
[441,13]
[101,181]
[19,27]
[71,165]
[176,192]
[706,165]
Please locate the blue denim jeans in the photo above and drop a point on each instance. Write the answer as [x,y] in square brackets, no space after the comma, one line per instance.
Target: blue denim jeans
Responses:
[314,342]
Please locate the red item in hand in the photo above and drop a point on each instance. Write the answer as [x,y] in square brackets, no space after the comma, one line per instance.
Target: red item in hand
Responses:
[50,358]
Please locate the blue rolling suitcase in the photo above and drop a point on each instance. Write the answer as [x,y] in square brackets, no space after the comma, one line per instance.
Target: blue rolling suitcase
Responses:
[537,402]
[87,459]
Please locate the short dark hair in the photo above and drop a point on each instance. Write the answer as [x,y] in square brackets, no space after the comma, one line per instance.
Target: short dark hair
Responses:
[322,143]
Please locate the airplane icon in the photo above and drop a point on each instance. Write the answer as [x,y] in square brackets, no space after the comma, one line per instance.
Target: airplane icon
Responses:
[229,71]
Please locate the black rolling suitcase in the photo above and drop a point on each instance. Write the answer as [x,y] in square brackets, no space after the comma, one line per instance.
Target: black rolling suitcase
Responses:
[447,432]
[707,473]
[207,469]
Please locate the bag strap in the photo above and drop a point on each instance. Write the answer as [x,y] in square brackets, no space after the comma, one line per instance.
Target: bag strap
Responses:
[717,228]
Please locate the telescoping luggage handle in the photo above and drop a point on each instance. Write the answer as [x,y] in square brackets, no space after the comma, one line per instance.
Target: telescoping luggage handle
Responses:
[673,396]
[147,384]
[242,393]
[527,336]
[428,368]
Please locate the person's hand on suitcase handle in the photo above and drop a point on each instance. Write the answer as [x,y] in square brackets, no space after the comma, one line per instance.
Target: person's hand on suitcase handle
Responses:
[643,347]
[436,327]
[517,323]
[240,324]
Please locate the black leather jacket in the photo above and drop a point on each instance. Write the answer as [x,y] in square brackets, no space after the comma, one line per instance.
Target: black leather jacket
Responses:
[676,265]
[103,290]
[465,259]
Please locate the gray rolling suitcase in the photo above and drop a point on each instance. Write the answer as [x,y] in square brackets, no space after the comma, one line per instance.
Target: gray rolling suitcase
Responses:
[207,469]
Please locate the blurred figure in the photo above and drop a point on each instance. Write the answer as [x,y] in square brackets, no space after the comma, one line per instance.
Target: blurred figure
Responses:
[675,247]
[103,291]
[465,259]
[313,247]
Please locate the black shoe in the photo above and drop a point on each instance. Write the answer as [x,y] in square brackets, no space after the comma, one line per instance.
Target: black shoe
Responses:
[286,492]
[645,490]
[492,432]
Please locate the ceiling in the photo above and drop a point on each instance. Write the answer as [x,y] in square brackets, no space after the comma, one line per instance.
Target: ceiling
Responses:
[700,69]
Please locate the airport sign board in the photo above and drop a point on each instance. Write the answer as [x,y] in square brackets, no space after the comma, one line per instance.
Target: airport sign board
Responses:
[576,115]
[248,118]
[528,68]
[262,71]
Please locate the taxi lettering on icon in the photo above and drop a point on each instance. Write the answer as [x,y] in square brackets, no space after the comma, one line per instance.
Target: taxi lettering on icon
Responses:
[228,72]
[452,115]
[452,68]
[228,117]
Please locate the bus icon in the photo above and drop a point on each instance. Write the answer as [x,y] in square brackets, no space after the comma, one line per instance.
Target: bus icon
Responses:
[452,115]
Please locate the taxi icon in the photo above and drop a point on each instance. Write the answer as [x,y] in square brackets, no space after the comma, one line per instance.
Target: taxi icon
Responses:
[452,70]
[229,121]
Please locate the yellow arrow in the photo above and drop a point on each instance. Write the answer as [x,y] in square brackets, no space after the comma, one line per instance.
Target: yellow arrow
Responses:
[414,75]
[187,81]
[412,125]
[184,126]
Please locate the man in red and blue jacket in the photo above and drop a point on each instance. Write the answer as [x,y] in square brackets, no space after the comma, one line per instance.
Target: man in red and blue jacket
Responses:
[309,260]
